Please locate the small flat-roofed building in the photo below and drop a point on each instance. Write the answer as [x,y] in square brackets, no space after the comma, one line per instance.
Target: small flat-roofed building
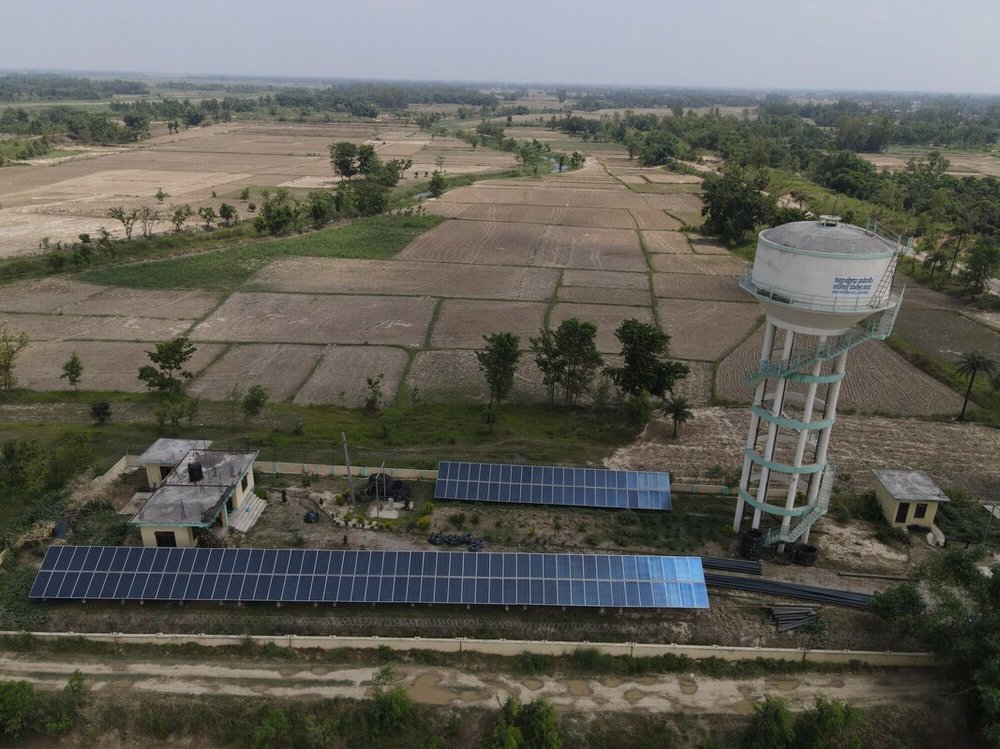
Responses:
[908,497]
[161,457]
[205,489]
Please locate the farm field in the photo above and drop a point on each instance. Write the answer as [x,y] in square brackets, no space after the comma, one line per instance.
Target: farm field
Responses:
[511,254]
[963,164]
[62,198]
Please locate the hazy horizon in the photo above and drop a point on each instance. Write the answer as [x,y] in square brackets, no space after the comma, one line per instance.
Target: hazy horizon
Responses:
[878,46]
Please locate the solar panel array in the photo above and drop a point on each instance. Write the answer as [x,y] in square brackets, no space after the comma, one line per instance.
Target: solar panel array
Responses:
[553,485]
[322,576]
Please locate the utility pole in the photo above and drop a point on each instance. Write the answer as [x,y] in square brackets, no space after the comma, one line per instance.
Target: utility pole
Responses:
[347,459]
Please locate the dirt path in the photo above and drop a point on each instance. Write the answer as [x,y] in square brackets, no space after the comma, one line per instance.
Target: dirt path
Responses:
[447,686]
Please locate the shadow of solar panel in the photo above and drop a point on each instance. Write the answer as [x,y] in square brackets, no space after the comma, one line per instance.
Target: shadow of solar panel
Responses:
[553,485]
[318,575]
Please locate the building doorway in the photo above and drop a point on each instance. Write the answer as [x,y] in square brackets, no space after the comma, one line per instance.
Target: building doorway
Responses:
[902,511]
[165,539]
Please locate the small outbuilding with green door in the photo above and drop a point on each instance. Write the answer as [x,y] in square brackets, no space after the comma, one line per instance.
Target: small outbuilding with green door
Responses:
[908,497]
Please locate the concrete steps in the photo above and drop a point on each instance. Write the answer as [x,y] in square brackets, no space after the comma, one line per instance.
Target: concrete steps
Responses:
[244,519]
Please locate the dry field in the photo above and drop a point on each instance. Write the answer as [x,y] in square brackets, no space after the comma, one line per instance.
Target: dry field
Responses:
[976,164]
[62,198]
[878,380]
[514,254]
[945,333]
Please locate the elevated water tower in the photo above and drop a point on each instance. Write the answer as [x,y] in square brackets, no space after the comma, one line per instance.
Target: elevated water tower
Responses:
[826,287]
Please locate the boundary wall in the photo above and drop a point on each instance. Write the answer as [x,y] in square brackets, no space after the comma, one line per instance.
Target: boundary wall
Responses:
[506,647]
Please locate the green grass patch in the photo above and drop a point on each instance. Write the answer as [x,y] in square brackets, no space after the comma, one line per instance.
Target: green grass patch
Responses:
[225,269]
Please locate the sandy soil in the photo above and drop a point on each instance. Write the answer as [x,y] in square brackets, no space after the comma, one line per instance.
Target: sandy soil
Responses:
[449,686]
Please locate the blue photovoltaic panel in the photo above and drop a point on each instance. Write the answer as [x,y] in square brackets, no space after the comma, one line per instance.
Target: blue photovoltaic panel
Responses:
[323,576]
[553,485]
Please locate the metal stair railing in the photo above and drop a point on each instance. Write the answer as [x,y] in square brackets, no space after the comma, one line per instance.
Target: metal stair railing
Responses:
[817,510]
[877,329]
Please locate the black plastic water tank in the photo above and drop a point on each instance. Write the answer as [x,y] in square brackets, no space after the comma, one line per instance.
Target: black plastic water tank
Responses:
[752,544]
[195,472]
[806,555]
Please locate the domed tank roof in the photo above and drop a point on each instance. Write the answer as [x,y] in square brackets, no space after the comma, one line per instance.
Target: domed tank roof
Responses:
[827,238]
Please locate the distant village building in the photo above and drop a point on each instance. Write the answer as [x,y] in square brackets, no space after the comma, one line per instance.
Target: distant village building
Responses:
[204,489]
[908,497]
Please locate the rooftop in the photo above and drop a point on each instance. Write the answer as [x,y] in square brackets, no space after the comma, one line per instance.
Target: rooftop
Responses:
[181,501]
[169,452]
[843,239]
[910,486]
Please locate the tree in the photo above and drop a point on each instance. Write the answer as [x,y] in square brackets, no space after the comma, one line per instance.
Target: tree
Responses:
[169,357]
[438,185]
[127,218]
[343,158]
[497,362]
[11,346]
[969,366]
[72,370]
[580,360]
[228,213]
[771,726]
[100,411]
[18,707]
[679,410]
[274,732]
[539,725]
[254,401]
[160,195]
[179,214]
[547,360]
[733,205]
[175,409]
[374,400]
[935,260]
[321,207]
[147,220]
[981,264]
[207,214]
[278,212]
[644,363]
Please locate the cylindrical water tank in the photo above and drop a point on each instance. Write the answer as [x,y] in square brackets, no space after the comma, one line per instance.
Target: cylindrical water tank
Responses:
[821,276]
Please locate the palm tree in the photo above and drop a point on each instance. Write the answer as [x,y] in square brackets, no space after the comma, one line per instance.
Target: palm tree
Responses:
[678,409]
[934,261]
[970,365]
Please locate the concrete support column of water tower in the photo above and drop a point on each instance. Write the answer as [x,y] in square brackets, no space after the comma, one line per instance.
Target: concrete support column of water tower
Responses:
[772,431]
[758,400]
[830,415]
[803,438]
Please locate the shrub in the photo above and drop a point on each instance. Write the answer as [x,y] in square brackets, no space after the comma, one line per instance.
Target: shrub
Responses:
[18,707]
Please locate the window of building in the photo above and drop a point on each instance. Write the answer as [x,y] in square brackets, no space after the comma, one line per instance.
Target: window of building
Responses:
[921,511]
[245,482]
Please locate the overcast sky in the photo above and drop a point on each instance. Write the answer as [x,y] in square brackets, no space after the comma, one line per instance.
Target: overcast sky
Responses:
[855,44]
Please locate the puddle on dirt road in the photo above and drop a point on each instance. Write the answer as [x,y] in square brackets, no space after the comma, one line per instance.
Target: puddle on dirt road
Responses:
[745,707]
[634,695]
[427,689]
[578,688]
[688,686]
[787,685]
[610,682]
[533,684]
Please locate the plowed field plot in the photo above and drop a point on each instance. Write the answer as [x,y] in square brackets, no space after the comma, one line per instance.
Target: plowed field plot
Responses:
[281,368]
[145,302]
[694,286]
[878,380]
[962,164]
[109,328]
[681,203]
[462,323]
[921,296]
[605,296]
[310,318]
[673,179]
[666,242]
[655,219]
[402,277]
[590,249]
[606,317]
[477,242]
[107,365]
[554,194]
[706,265]
[705,330]
[46,295]
[946,334]
[697,386]
[454,375]
[341,375]
[705,246]
[606,218]
[603,279]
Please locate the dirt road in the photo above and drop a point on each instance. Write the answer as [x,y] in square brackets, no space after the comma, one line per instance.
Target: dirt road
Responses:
[447,686]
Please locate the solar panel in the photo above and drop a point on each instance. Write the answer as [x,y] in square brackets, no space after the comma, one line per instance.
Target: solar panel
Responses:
[553,485]
[325,576]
